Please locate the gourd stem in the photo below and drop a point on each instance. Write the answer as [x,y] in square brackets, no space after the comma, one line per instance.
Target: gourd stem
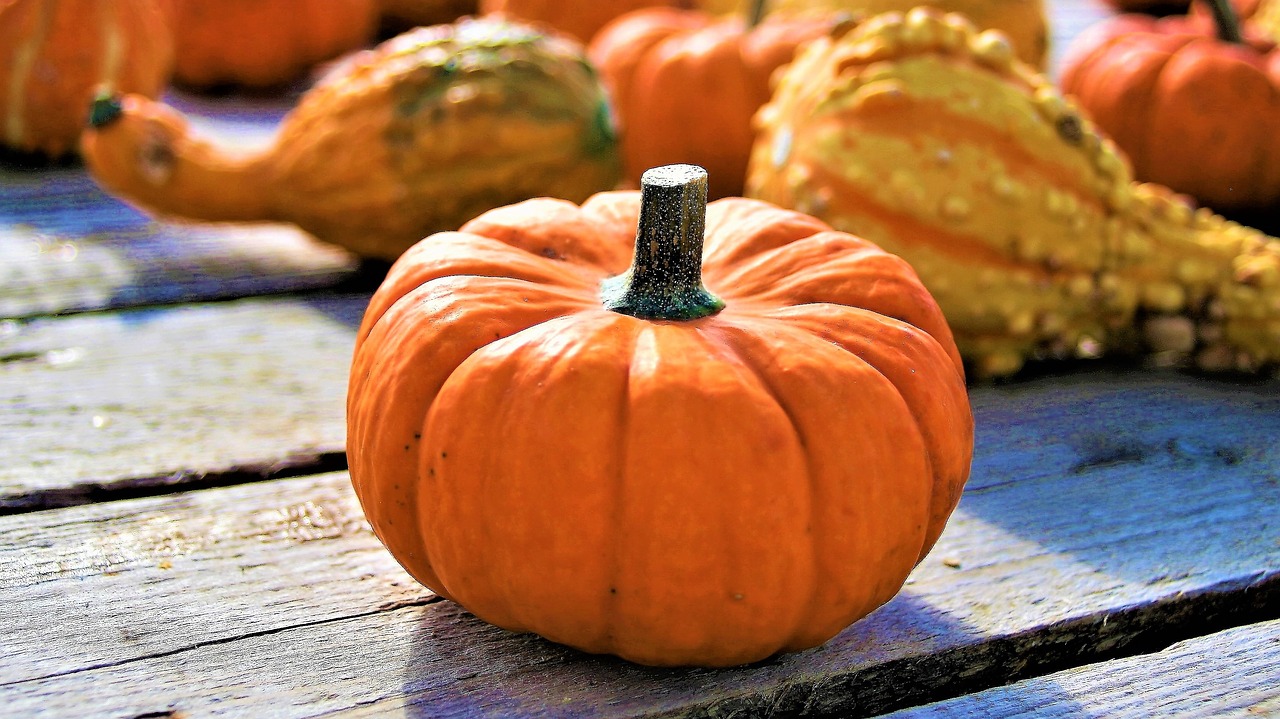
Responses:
[757,13]
[1226,21]
[665,278]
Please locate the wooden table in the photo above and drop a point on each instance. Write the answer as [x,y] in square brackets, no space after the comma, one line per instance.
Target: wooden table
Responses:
[179,537]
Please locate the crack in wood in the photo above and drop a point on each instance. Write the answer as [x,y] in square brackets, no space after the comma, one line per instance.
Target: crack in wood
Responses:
[916,681]
[172,483]
[197,646]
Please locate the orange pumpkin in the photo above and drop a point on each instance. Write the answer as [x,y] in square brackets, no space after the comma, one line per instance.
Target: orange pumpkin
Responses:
[264,43]
[401,15]
[55,53]
[1196,113]
[685,85]
[581,19]
[632,462]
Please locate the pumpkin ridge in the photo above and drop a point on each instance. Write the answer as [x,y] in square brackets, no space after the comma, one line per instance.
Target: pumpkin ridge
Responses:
[24,61]
[732,334]
[389,380]
[499,388]
[439,259]
[750,347]
[957,419]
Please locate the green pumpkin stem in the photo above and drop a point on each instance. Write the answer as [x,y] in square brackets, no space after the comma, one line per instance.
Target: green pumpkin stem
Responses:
[104,109]
[1228,24]
[665,278]
[757,13]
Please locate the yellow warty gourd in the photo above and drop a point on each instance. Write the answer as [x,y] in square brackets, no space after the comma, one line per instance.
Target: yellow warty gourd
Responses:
[927,137]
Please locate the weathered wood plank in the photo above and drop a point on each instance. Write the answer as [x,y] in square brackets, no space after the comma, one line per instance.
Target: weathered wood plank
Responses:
[139,400]
[65,245]
[275,594]
[1233,673]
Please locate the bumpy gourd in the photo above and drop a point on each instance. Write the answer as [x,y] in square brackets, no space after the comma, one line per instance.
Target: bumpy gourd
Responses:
[629,461]
[1024,22]
[55,54]
[421,134]
[929,139]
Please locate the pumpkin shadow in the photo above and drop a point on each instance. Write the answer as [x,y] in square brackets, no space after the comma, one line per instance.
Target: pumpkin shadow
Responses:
[1093,465]
[904,654]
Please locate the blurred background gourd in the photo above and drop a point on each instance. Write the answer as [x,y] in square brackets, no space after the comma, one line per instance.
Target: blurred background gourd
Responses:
[418,135]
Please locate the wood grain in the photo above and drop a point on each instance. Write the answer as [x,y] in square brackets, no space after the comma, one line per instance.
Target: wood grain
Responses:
[147,399]
[226,601]
[1233,673]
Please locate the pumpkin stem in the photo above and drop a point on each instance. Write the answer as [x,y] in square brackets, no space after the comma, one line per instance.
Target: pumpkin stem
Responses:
[757,13]
[1228,24]
[665,278]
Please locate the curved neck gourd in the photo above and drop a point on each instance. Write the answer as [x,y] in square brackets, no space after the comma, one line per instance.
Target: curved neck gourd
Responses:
[157,162]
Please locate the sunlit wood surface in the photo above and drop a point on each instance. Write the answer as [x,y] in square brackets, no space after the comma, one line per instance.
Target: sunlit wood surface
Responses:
[178,536]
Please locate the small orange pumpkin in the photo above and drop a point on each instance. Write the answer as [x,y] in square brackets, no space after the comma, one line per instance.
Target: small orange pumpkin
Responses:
[581,19]
[1196,113]
[401,15]
[264,43]
[630,462]
[685,84]
[55,53]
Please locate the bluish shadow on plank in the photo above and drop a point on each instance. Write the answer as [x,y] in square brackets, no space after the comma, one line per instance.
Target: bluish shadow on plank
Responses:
[1133,450]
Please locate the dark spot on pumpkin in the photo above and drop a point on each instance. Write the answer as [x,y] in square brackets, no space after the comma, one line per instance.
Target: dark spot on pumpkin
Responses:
[406,448]
[613,590]
[417,435]
[550,253]
[444,455]
[1070,128]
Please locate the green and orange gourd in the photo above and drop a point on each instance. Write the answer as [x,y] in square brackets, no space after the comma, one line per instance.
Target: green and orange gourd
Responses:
[420,134]
[732,444]
[928,138]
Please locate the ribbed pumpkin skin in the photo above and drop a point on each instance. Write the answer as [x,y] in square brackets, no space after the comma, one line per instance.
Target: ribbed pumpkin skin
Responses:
[1192,112]
[686,84]
[423,133]
[1024,22]
[926,138]
[706,492]
[55,53]
[263,43]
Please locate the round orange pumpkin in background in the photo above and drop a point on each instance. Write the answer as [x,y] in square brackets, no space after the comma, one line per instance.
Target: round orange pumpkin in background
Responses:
[685,84]
[626,460]
[54,55]
[264,43]
[1195,105]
